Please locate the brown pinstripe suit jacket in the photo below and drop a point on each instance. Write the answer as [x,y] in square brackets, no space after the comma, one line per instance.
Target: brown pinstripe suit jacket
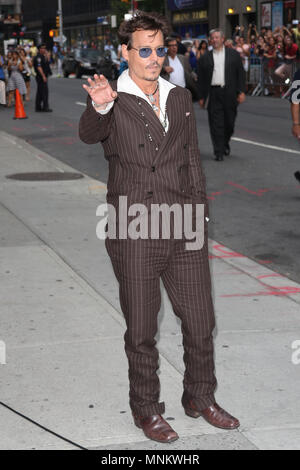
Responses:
[166,169]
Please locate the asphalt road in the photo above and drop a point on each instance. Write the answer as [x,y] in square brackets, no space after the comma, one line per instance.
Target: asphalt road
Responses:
[254,197]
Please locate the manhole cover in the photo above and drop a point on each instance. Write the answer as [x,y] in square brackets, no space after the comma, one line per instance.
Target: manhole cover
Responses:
[45,176]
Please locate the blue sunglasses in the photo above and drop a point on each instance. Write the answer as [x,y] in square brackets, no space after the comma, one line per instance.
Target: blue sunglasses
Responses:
[147,51]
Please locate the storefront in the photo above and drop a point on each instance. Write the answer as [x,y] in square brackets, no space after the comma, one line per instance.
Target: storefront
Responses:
[278,13]
[190,16]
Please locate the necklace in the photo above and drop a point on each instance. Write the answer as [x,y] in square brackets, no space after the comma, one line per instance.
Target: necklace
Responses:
[156,108]
[152,99]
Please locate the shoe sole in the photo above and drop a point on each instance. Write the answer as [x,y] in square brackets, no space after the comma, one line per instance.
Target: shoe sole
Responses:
[196,414]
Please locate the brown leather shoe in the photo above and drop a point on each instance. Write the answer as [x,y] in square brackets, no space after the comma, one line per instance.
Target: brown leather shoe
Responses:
[214,415]
[156,428]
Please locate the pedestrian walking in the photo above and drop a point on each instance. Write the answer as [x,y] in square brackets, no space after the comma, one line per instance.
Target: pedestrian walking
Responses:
[221,80]
[43,71]
[26,72]
[148,131]
[60,58]
[33,50]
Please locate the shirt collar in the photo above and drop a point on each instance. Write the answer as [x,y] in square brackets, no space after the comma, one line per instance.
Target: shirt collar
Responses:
[219,52]
[125,84]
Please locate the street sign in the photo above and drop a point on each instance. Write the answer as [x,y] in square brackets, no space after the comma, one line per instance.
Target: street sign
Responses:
[113,21]
[61,39]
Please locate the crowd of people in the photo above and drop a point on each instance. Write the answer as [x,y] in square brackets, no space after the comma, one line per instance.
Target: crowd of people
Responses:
[17,70]
[271,56]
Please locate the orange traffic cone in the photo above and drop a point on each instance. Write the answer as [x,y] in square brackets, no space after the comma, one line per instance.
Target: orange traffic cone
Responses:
[19,108]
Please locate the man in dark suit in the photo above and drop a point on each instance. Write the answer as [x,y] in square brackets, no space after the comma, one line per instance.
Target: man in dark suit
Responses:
[177,68]
[221,81]
[148,131]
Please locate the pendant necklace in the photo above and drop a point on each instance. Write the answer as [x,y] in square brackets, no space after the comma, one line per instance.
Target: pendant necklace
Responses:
[156,108]
[152,99]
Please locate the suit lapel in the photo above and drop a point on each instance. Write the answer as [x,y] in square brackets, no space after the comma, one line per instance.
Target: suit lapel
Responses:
[227,66]
[176,108]
[140,110]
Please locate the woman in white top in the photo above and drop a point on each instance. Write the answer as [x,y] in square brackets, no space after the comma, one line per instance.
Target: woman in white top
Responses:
[26,72]
[15,80]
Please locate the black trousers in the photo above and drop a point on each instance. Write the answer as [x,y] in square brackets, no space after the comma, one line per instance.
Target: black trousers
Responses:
[222,111]
[41,99]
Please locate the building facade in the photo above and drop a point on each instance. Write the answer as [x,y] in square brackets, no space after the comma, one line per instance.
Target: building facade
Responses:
[10,19]
[89,20]
[234,13]
[82,20]
[195,17]
[10,7]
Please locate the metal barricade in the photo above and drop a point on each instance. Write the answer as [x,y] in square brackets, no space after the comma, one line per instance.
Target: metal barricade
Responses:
[270,76]
[255,76]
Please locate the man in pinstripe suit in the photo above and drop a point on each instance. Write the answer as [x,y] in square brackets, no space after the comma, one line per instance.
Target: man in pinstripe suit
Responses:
[148,131]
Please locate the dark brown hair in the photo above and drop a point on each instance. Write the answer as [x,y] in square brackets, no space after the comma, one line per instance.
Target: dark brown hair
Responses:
[170,39]
[143,21]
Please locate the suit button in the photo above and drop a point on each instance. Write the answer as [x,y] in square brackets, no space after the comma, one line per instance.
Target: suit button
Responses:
[153,168]
[150,193]
[156,148]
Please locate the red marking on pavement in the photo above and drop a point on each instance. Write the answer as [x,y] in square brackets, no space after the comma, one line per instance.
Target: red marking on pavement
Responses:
[17,129]
[263,261]
[53,139]
[239,186]
[269,275]
[218,193]
[279,291]
[71,124]
[42,127]
[262,191]
[229,273]
[225,254]
[64,141]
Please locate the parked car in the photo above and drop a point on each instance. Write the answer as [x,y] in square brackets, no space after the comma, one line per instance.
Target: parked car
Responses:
[88,62]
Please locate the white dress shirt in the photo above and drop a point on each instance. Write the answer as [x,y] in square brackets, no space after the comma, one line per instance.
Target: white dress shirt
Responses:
[218,77]
[177,76]
[125,84]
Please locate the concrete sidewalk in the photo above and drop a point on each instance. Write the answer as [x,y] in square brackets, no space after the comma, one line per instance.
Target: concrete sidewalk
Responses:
[63,329]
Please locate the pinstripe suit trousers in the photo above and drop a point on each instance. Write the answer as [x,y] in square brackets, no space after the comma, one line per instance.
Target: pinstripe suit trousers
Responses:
[138,266]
